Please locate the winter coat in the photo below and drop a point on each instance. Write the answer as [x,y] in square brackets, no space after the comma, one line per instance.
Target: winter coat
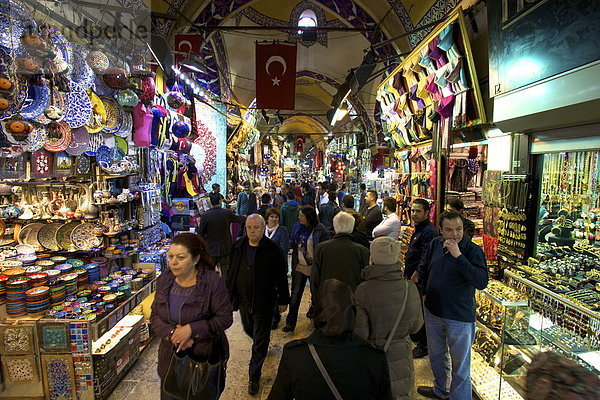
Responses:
[357,369]
[289,214]
[373,217]
[301,233]
[340,258]
[209,301]
[269,277]
[326,213]
[378,301]
[214,227]
[242,203]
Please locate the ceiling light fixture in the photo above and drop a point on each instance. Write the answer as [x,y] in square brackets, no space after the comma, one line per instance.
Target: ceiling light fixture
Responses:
[192,64]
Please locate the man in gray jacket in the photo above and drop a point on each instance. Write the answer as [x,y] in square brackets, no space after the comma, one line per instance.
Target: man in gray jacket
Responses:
[340,258]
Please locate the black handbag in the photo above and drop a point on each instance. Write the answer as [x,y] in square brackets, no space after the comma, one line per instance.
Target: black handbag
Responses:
[191,379]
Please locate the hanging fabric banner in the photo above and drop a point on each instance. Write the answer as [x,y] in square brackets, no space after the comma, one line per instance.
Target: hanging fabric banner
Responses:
[187,44]
[276,76]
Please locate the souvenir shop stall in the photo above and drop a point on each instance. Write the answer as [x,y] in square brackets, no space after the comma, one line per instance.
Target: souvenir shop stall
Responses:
[239,149]
[540,217]
[432,94]
[81,178]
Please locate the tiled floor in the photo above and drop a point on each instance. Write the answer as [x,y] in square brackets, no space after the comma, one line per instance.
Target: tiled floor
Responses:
[142,382]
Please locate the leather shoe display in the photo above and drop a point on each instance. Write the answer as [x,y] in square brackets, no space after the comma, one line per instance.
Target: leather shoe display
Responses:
[288,328]
[253,388]
[428,392]
[419,352]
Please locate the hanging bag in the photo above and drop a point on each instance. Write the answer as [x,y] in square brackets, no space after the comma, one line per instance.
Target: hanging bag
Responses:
[400,314]
[191,379]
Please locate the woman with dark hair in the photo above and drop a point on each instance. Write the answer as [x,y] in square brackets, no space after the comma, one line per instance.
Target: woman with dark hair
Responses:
[278,234]
[357,370]
[307,233]
[188,295]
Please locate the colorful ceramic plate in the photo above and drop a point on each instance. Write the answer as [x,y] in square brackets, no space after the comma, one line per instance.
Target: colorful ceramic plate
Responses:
[61,43]
[38,98]
[122,145]
[82,73]
[79,106]
[126,125]
[104,154]
[101,88]
[37,138]
[14,20]
[59,137]
[79,142]
[83,237]
[63,236]
[28,235]
[24,249]
[47,236]
[96,140]
[98,116]
[112,115]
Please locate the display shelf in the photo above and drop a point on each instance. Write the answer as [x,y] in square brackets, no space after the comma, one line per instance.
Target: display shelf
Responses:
[99,328]
[107,176]
[488,384]
[504,302]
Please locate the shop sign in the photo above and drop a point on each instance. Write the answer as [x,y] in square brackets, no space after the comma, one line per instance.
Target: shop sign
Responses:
[536,39]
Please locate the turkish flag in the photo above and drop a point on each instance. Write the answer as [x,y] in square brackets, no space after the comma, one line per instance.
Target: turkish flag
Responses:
[187,44]
[276,76]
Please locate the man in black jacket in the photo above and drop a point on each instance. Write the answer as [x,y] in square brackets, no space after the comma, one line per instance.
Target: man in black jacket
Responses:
[215,229]
[458,206]
[419,243]
[257,282]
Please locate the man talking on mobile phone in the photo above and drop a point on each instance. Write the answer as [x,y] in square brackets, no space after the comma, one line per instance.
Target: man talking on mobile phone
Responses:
[454,267]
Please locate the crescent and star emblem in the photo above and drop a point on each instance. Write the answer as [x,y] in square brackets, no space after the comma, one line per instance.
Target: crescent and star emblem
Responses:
[276,59]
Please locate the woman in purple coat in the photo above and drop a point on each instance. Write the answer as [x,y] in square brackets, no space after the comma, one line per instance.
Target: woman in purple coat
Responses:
[188,295]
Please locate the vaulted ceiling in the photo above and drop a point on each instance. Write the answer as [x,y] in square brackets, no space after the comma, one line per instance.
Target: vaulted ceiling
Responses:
[321,67]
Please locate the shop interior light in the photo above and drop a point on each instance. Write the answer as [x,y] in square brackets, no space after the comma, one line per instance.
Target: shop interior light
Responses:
[193,64]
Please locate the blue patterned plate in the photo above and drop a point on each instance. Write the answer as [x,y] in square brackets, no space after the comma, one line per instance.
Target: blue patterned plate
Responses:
[5,59]
[79,106]
[14,20]
[82,73]
[104,154]
[63,45]
[96,140]
[101,88]
[37,100]
[37,138]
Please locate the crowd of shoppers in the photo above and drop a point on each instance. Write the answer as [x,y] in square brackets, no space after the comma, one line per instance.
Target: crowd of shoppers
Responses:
[367,304]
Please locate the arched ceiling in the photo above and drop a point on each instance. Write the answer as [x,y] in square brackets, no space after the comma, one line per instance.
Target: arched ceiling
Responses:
[321,67]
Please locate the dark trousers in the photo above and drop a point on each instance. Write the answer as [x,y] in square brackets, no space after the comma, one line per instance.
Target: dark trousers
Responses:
[420,338]
[258,327]
[223,262]
[298,285]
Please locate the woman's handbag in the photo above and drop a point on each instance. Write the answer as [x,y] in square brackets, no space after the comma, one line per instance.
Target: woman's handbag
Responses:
[191,379]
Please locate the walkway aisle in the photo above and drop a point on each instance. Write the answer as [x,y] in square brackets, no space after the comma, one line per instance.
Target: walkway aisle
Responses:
[142,382]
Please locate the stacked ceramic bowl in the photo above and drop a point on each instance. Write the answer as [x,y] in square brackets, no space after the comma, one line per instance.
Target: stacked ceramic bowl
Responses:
[15,295]
[38,300]
[93,272]
[3,279]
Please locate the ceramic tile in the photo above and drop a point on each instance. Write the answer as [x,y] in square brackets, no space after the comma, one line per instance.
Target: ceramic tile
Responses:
[17,339]
[19,369]
[54,337]
[58,371]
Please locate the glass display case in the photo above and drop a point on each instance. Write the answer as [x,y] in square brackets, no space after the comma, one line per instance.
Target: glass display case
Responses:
[515,320]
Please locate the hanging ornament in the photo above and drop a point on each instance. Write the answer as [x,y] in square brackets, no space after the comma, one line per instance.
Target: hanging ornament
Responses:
[127,98]
[176,100]
[180,129]
[115,78]
[148,89]
[19,129]
[98,61]
[300,144]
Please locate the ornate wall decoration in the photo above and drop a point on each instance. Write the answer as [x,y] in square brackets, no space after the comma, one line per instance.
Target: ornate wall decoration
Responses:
[209,147]
[440,9]
[20,369]
[16,339]
[53,337]
[59,378]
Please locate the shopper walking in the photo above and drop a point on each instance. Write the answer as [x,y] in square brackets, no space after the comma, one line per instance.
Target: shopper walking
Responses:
[381,299]
[243,198]
[279,235]
[340,257]
[188,295]
[215,224]
[357,370]
[456,267]
[306,235]
[289,211]
[390,225]
[362,204]
[257,282]
[265,203]
[424,232]
[372,212]
[327,211]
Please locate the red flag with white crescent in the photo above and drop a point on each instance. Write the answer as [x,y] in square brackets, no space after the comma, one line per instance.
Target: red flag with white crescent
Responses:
[186,44]
[276,76]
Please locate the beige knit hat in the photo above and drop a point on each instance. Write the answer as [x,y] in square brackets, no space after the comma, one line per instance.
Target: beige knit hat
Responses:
[385,250]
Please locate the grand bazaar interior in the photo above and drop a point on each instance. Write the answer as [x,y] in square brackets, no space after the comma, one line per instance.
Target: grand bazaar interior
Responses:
[120,117]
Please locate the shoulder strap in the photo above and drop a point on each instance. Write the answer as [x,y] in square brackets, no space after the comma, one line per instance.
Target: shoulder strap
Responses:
[332,387]
[400,314]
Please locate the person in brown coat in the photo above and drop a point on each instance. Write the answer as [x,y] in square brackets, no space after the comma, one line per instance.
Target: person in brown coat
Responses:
[378,302]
